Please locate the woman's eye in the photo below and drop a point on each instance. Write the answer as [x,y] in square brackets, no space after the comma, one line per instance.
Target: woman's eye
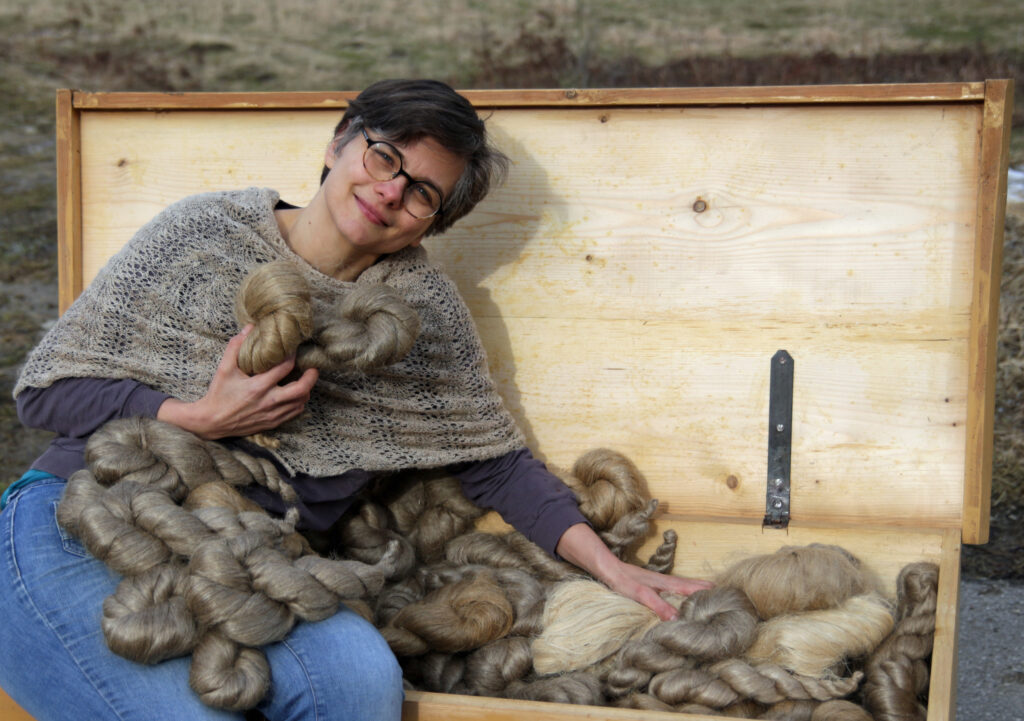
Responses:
[384,157]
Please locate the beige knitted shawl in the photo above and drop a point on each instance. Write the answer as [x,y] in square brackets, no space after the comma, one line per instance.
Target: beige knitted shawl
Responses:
[162,310]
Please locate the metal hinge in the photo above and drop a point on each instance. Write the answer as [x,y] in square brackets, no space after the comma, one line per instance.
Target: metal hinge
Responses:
[780,440]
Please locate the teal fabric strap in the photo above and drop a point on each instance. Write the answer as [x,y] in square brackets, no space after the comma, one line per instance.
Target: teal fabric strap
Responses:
[31,476]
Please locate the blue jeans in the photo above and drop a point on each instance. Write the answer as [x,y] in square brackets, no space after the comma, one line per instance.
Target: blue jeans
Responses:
[55,663]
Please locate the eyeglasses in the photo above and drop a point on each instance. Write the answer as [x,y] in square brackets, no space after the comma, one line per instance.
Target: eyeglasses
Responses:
[382,161]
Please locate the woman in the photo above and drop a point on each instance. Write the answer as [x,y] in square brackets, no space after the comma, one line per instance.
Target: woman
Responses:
[152,336]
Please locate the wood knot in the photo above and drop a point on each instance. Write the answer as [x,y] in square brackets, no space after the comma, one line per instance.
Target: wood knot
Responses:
[732,482]
[700,205]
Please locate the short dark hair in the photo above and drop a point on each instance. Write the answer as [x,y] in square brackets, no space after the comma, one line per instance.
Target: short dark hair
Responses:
[402,111]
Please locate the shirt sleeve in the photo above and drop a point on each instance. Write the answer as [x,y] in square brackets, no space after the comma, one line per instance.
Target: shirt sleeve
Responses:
[526,494]
[75,407]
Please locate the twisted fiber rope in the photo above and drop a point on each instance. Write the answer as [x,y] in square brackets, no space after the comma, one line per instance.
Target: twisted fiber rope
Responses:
[729,682]
[798,578]
[897,673]
[371,327]
[791,710]
[713,624]
[218,580]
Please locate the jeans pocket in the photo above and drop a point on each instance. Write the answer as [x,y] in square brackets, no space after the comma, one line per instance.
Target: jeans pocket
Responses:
[71,544]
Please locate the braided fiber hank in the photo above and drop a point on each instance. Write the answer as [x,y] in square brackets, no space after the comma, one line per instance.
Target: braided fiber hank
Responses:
[713,624]
[208,574]
[897,672]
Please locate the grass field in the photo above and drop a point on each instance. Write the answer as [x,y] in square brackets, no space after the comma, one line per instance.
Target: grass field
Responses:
[321,45]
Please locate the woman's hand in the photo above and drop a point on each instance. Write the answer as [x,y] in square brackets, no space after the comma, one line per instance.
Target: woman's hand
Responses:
[581,546]
[239,405]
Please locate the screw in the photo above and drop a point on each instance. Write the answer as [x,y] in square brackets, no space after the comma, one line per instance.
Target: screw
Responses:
[780,428]
[777,503]
[778,482]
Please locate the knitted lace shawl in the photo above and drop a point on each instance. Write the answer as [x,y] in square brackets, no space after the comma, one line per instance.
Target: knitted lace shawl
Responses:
[162,310]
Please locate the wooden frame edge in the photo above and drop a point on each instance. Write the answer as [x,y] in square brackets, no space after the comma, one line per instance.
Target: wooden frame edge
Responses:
[982,350]
[764,95]
[429,706]
[942,685]
[69,200]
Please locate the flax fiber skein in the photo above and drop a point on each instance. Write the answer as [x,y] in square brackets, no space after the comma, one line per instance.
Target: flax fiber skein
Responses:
[818,643]
[798,578]
[897,672]
[370,327]
[428,508]
[216,580]
[456,617]
[584,623]
[713,624]
[608,486]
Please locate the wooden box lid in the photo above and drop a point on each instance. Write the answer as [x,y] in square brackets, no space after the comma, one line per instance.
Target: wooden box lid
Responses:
[650,253]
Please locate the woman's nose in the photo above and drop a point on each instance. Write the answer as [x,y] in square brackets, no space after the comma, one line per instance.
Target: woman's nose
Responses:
[392,190]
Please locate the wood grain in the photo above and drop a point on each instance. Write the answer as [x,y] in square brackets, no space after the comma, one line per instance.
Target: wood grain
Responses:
[988,264]
[69,202]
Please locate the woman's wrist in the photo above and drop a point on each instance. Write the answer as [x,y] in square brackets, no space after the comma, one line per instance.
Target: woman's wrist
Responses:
[183,415]
[580,546]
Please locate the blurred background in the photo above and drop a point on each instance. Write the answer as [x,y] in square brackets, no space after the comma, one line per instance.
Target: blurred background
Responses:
[206,45]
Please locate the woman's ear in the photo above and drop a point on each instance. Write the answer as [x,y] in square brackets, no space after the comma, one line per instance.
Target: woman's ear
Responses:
[332,152]
[334,147]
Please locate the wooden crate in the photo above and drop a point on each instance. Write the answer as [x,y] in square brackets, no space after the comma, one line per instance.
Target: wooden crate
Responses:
[651,252]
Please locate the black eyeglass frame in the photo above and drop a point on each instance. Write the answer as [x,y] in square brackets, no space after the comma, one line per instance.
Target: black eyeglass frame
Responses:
[412,181]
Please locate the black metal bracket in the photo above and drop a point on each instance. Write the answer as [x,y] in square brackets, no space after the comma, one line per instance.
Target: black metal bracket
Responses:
[780,440]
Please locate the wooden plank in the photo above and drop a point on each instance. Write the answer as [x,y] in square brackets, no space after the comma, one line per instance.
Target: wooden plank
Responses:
[988,261]
[817,236]
[10,711]
[69,201]
[420,706]
[764,95]
[942,685]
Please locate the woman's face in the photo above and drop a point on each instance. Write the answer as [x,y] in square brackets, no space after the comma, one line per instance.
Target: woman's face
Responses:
[369,214]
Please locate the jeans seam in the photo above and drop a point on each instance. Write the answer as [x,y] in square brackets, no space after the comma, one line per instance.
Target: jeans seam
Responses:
[12,508]
[309,680]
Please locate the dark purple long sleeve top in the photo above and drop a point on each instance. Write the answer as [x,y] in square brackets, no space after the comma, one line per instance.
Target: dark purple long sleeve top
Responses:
[517,485]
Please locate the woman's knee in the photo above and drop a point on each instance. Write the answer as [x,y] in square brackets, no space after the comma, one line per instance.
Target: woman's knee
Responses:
[341,663]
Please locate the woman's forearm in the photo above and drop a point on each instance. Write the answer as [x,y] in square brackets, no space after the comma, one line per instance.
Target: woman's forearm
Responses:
[582,547]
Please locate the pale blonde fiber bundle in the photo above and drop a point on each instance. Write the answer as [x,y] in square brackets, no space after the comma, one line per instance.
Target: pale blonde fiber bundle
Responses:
[818,643]
[798,578]
[584,623]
